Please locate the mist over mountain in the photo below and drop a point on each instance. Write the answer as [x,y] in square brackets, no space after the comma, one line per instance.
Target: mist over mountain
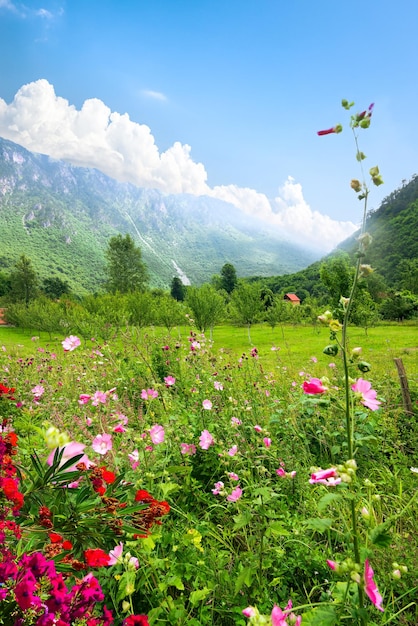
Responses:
[62,216]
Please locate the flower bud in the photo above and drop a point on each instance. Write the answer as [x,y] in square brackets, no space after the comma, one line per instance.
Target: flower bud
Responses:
[396,574]
[335,325]
[365,513]
[355,576]
[374,171]
[325,317]
[356,185]
[355,352]
[363,366]
[365,240]
[366,270]
[331,350]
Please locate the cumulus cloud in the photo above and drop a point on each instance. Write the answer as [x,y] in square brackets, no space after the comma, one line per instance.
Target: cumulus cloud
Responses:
[94,136]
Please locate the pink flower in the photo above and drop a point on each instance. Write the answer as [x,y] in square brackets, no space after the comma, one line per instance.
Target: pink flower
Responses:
[99,397]
[232,451]
[149,393]
[235,421]
[218,488]
[218,386]
[370,586]
[205,440]
[314,386]
[134,459]
[257,428]
[327,477]
[249,612]
[116,554]
[169,381]
[281,472]
[187,448]
[102,443]
[314,359]
[71,450]
[38,391]
[267,442]
[278,618]
[119,428]
[368,394]
[332,564]
[207,404]
[70,343]
[329,131]
[89,421]
[83,398]
[233,476]
[157,434]
[235,494]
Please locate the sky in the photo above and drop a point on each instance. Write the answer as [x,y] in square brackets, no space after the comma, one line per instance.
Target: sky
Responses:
[220,98]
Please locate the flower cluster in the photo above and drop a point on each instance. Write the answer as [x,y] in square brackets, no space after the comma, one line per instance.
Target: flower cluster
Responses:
[145,519]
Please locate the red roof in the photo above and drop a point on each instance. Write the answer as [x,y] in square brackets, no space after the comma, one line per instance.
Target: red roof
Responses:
[292,296]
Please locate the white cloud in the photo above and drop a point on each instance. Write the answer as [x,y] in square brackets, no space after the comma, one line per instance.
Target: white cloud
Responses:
[44,13]
[6,4]
[154,95]
[94,136]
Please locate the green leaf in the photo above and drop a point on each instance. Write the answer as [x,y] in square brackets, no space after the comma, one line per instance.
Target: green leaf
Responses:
[126,586]
[321,616]
[327,499]
[276,529]
[379,535]
[245,577]
[198,595]
[318,524]
[242,520]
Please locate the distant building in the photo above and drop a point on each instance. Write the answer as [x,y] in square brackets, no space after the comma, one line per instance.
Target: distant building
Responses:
[292,297]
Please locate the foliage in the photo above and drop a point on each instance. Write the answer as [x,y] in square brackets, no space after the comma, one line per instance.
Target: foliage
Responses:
[126,270]
[229,278]
[207,306]
[24,281]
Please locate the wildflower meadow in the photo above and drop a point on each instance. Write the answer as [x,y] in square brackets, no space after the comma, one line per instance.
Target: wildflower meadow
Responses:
[162,478]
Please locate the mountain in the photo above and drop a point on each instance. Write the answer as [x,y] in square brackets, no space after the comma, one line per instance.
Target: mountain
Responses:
[62,216]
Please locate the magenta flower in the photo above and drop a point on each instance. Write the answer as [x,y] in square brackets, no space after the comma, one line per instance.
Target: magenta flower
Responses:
[232,451]
[70,343]
[235,494]
[169,381]
[83,398]
[147,394]
[102,443]
[370,586]
[249,612]
[157,434]
[233,476]
[99,397]
[335,129]
[368,395]
[119,428]
[38,391]
[281,472]
[235,421]
[207,404]
[205,440]
[332,564]
[258,428]
[267,442]
[218,488]
[314,387]
[327,477]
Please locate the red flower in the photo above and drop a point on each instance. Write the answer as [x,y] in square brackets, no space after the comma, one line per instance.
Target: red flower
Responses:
[55,538]
[143,496]
[96,557]
[335,129]
[136,620]
[67,545]
[108,477]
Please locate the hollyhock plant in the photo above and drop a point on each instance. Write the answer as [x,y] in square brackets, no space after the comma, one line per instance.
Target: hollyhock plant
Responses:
[102,443]
[327,477]
[314,387]
[235,494]
[218,488]
[206,440]
[134,459]
[70,343]
[116,554]
[368,395]
[370,587]
[38,391]
[149,394]
[157,434]
[169,381]
[99,397]
[207,404]
[188,448]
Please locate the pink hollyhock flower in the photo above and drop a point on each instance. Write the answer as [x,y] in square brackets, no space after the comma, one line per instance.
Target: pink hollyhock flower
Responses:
[233,476]
[146,394]
[332,564]
[232,451]
[169,381]
[134,459]
[257,428]
[325,477]
[102,443]
[187,448]
[235,421]
[218,488]
[157,434]
[83,398]
[314,387]
[267,442]
[281,472]
[38,391]
[89,421]
[218,386]
[134,562]
[368,394]
[71,450]
[249,612]
[370,586]
[278,618]
[99,397]
[116,554]
[119,428]
[235,494]
[207,404]
[314,359]
[206,440]
[70,343]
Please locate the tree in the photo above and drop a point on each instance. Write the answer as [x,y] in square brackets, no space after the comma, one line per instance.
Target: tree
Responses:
[247,305]
[24,281]
[126,271]
[53,287]
[229,278]
[337,275]
[207,306]
[177,289]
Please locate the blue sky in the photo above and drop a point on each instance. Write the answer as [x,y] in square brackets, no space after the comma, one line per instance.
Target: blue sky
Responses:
[223,97]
